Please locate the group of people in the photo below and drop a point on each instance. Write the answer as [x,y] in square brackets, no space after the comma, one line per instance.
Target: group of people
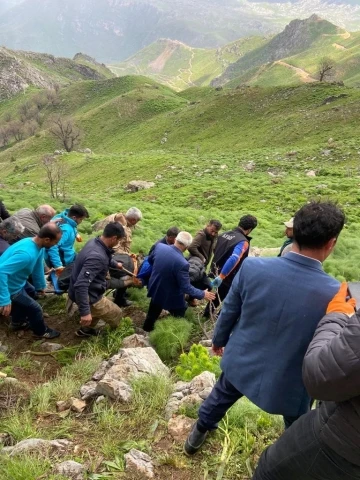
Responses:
[288,333]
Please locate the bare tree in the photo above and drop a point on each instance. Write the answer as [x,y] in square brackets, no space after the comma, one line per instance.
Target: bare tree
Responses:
[16,129]
[66,132]
[40,100]
[52,97]
[31,127]
[5,135]
[326,68]
[56,87]
[56,175]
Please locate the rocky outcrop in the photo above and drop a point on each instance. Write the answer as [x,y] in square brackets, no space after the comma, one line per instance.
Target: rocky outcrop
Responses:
[37,445]
[140,463]
[71,470]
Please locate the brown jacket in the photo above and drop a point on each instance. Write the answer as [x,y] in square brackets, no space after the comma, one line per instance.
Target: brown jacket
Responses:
[202,247]
[124,244]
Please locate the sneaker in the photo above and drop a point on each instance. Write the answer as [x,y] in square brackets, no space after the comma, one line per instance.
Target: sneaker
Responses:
[15,327]
[195,440]
[88,332]
[49,334]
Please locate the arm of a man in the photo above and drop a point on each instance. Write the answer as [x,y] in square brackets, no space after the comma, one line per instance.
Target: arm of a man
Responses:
[38,276]
[239,251]
[183,280]
[230,312]
[54,252]
[91,267]
[195,245]
[331,369]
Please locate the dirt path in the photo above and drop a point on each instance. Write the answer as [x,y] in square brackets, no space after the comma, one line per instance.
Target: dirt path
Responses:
[304,76]
[338,46]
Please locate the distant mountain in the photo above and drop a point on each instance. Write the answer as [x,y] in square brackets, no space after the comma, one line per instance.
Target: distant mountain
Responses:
[113,30]
[288,58]
[19,70]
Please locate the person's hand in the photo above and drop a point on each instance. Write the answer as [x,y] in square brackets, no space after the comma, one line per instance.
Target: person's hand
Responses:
[59,270]
[338,304]
[86,320]
[137,282]
[216,282]
[120,266]
[209,295]
[5,310]
[218,351]
[79,238]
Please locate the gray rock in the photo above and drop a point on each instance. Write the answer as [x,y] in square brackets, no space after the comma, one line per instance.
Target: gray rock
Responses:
[140,462]
[88,151]
[88,390]
[37,445]
[62,405]
[180,386]
[77,405]
[206,343]
[136,185]
[311,173]
[100,399]
[114,389]
[202,382]
[100,372]
[135,341]
[51,347]
[179,427]
[70,469]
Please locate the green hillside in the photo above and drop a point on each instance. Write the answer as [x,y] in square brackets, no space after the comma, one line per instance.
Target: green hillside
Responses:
[179,66]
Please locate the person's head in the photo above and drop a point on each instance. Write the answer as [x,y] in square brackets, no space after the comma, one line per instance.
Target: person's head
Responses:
[78,213]
[171,235]
[212,228]
[10,229]
[247,223]
[289,228]
[183,241]
[317,226]
[45,213]
[133,216]
[49,235]
[112,234]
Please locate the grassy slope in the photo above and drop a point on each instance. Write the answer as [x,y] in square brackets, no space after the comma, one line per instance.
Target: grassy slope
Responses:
[185,66]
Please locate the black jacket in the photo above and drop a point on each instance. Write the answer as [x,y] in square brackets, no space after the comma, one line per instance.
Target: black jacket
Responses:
[88,278]
[331,373]
[224,249]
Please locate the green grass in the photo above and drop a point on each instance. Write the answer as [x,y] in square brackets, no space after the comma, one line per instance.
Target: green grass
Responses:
[170,336]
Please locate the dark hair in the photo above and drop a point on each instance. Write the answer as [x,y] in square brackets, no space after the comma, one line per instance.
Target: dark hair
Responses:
[316,223]
[49,230]
[217,224]
[78,211]
[173,232]
[248,222]
[114,229]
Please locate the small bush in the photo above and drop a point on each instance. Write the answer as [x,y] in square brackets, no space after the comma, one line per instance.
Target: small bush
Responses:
[170,336]
[198,360]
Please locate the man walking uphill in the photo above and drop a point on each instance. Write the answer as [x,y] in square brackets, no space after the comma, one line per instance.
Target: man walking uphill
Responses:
[231,250]
[268,321]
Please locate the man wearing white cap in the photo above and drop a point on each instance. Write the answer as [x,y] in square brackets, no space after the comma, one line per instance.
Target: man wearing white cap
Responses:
[286,248]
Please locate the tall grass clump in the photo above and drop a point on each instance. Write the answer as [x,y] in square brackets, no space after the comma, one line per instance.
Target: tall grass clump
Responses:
[198,360]
[170,337]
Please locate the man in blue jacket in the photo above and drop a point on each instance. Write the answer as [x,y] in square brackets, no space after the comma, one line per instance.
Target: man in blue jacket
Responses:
[170,281]
[63,253]
[267,322]
[17,263]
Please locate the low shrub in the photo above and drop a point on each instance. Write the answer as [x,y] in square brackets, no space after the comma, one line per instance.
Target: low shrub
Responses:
[198,360]
[170,337]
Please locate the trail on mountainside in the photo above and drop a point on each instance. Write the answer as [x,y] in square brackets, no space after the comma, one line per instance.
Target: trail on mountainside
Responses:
[305,76]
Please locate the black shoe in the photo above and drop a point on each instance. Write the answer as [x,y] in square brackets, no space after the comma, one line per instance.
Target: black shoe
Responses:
[87,332]
[49,334]
[124,303]
[15,327]
[195,440]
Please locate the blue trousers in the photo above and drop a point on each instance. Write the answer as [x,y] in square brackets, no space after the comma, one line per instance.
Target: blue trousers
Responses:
[300,455]
[25,308]
[222,397]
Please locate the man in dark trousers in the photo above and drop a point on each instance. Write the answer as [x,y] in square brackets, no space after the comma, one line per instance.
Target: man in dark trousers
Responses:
[231,250]
[268,321]
[324,444]
[88,281]
[170,281]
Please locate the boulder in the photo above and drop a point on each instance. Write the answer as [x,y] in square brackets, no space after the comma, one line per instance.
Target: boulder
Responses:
[37,445]
[311,173]
[51,347]
[135,341]
[70,469]
[136,185]
[63,405]
[179,427]
[114,389]
[88,390]
[77,405]
[202,383]
[100,372]
[139,462]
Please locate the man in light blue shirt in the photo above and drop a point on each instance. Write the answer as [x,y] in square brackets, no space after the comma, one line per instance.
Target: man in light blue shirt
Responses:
[17,263]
